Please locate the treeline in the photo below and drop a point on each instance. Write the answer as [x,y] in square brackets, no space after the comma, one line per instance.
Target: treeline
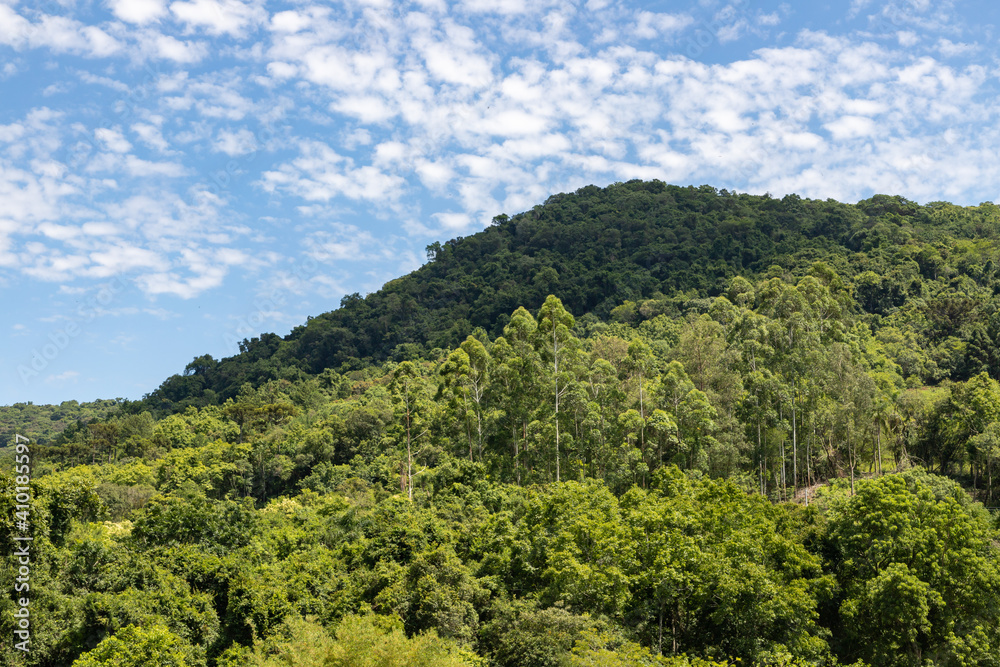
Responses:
[166,562]
[926,274]
[776,385]
[553,496]
[46,422]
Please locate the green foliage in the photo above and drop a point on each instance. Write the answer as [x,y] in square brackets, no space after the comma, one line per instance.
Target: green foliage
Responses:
[360,641]
[44,423]
[634,251]
[639,425]
[919,570]
[523,636]
[191,518]
[134,646]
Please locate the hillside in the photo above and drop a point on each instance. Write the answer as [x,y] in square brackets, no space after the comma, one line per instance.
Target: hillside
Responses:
[926,269]
[770,451]
[44,423]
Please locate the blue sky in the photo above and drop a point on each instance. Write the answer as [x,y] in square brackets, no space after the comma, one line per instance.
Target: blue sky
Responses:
[176,176]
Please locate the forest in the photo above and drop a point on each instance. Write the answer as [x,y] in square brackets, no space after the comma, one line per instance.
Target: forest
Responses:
[637,425]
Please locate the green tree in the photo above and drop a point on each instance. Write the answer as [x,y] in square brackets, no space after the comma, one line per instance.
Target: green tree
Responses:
[132,646]
[919,573]
[409,393]
[517,372]
[359,641]
[558,346]
[467,375]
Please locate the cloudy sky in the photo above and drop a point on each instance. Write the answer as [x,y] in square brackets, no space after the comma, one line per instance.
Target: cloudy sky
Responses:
[176,176]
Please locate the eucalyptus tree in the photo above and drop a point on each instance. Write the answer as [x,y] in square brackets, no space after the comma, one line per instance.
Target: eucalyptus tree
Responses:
[562,355]
[409,393]
[516,376]
[467,376]
[640,364]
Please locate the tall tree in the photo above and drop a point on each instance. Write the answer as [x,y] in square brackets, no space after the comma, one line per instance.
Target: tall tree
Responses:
[518,367]
[467,375]
[409,393]
[558,346]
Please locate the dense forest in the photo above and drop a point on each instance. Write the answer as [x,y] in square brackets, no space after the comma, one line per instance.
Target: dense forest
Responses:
[47,422]
[923,277]
[638,425]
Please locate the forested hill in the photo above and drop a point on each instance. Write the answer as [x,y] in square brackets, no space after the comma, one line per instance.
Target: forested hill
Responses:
[46,422]
[725,447]
[647,248]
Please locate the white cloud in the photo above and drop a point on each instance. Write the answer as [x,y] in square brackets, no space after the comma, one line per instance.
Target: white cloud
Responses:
[651,25]
[14,28]
[434,175]
[151,136]
[496,6]
[139,168]
[11,132]
[219,17]
[240,142]
[340,242]
[138,11]
[170,283]
[435,118]
[60,34]
[289,21]
[63,377]
[950,49]
[851,127]
[321,174]
[90,77]
[453,221]
[280,70]
[115,259]
[99,44]
[515,123]
[113,140]
[769,20]
[456,58]
[174,49]
[367,109]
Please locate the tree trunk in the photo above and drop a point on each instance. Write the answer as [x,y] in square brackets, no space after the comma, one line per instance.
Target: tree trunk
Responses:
[760,464]
[659,641]
[673,632]
[517,456]
[878,440]
[795,452]
[850,457]
[555,360]
[409,458]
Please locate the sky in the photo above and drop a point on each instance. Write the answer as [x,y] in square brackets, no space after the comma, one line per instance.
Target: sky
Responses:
[177,176]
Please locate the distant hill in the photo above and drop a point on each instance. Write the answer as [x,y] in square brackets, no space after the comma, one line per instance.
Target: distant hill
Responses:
[598,248]
[44,423]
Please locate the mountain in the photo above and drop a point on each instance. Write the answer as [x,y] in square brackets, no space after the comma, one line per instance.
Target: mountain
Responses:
[724,437]
[597,248]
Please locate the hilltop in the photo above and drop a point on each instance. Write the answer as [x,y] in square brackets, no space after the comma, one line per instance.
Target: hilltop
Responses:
[570,439]
[926,267]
